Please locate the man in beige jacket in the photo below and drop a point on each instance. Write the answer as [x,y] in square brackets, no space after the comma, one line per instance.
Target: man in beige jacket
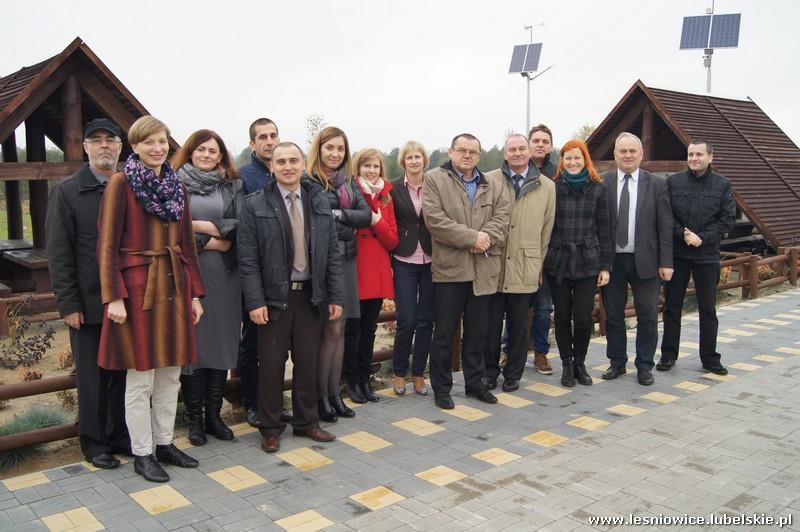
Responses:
[467,217]
[533,200]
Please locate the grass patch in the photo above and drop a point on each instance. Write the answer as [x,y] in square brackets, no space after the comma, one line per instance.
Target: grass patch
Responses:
[38,417]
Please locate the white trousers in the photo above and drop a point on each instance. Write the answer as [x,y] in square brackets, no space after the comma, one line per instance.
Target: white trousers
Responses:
[151,399]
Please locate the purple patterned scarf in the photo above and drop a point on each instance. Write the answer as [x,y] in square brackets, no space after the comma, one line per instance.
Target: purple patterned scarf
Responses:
[162,196]
[339,179]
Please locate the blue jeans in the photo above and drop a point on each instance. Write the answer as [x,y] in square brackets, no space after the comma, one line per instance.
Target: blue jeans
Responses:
[413,299]
[542,303]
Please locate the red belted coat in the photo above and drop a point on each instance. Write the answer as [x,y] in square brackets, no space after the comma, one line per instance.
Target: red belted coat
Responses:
[374,243]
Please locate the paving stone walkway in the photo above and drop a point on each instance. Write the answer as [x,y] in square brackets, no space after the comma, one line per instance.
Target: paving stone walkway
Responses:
[692,445]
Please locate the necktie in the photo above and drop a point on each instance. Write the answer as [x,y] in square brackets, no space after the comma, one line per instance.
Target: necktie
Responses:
[300,261]
[517,183]
[622,216]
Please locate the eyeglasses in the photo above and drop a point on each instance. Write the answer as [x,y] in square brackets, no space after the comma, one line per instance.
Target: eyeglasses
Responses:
[463,151]
[99,141]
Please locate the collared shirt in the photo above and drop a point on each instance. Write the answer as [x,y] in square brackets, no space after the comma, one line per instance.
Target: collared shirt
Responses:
[296,275]
[470,184]
[419,256]
[101,177]
[633,194]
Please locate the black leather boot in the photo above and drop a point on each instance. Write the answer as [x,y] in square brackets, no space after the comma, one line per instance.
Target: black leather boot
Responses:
[192,388]
[215,387]
[326,412]
[568,372]
[169,454]
[355,392]
[581,375]
[341,409]
[366,389]
[149,468]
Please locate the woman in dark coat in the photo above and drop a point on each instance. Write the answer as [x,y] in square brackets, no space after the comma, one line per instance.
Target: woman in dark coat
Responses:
[150,284]
[579,256]
[329,165]
[216,197]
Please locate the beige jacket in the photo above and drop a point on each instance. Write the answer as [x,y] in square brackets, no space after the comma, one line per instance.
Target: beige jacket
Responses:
[454,223]
[532,216]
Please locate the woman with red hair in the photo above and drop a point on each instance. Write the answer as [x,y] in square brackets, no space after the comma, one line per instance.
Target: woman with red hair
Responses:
[579,257]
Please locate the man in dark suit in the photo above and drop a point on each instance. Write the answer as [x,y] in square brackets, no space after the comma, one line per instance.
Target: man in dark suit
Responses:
[641,227]
[71,230]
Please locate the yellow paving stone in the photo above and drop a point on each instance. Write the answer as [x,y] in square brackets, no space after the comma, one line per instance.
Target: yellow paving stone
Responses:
[441,475]
[242,429]
[237,478]
[160,499]
[496,456]
[773,322]
[747,304]
[691,386]
[25,481]
[552,355]
[467,413]
[546,438]
[626,410]
[349,402]
[597,380]
[725,339]
[418,426]
[365,442]
[308,521]
[389,392]
[744,366]
[720,378]
[548,389]
[683,354]
[305,459]
[182,443]
[691,317]
[788,316]
[788,350]
[511,400]
[757,327]
[732,307]
[79,519]
[377,498]
[659,397]
[599,340]
[588,423]
[768,358]
[690,345]
[738,332]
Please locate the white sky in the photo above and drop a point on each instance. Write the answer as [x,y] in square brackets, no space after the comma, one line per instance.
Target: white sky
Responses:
[387,71]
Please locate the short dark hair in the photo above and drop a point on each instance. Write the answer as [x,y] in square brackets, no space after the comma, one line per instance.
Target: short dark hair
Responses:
[709,146]
[468,136]
[260,122]
[290,144]
[541,127]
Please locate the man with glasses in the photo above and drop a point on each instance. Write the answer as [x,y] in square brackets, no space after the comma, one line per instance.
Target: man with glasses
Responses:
[467,218]
[71,230]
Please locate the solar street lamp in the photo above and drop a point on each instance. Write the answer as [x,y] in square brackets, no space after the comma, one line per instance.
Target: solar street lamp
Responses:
[710,31]
[525,61]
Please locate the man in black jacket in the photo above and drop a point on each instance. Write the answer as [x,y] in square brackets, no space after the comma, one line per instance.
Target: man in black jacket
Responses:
[704,210]
[290,267]
[71,230]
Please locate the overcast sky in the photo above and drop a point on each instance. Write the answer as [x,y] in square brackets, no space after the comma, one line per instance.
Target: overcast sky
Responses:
[387,71]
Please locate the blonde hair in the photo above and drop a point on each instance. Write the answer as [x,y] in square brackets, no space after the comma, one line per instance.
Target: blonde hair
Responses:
[314,165]
[144,127]
[365,154]
[409,147]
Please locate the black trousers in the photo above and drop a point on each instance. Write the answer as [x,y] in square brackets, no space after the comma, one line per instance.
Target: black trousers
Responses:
[515,308]
[248,362]
[450,300]
[300,327]
[706,277]
[101,397]
[645,301]
[573,300]
[359,341]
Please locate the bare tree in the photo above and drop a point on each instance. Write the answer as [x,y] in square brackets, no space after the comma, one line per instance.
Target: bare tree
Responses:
[314,124]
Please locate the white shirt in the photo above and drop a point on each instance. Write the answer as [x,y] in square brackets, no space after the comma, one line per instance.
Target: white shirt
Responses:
[633,194]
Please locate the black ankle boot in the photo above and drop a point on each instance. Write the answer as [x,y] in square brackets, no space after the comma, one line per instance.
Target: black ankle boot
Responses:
[215,388]
[326,412]
[192,388]
[568,372]
[581,375]
[169,454]
[356,393]
[341,409]
[366,389]
[149,468]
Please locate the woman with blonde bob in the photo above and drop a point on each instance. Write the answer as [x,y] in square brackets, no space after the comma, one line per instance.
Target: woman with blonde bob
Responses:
[329,165]
[150,283]
[579,257]
[411,267]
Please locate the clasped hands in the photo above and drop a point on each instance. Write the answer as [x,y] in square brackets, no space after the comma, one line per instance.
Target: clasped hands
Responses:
[691,238]
[482,243]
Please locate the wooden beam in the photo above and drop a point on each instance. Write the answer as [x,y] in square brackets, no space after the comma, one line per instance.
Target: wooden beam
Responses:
[648,132]
[13,197]
[72,119]
[105,99]
[37,171]
[35,145]
[627,120]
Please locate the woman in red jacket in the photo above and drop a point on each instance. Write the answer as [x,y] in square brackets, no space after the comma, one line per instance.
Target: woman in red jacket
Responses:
[374,272]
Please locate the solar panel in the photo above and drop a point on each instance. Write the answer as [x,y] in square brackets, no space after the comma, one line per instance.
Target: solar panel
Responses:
[725,31]
[517,59]
[532,59]
[695,32]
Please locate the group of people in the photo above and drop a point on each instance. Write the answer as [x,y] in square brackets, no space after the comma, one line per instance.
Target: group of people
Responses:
[170,273]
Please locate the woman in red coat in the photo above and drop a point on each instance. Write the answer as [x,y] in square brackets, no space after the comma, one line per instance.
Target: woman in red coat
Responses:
[374,272]
[150,284]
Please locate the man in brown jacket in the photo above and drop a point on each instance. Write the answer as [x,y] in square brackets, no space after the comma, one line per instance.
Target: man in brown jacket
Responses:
[467,217]
[533,200]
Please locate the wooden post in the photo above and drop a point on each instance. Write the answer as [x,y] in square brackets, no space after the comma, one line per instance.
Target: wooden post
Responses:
[34,143]
[13,198]
[73,127]
[753,271]
[648,137]
[793,255]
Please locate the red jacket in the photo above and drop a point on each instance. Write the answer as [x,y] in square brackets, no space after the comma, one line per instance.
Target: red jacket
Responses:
[374,244]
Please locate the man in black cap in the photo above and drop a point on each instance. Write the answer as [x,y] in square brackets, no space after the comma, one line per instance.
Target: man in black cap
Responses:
[71,230]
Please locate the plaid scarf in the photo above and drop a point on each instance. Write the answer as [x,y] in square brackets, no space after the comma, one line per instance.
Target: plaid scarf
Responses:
[162,195]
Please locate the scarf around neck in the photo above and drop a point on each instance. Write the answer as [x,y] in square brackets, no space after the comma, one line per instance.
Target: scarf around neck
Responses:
[198,181]
[162,195]
[339,181]
[576,181]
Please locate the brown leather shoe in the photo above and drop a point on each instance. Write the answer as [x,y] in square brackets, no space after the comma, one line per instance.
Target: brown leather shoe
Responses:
[316,434]
[541,364]
[270,444]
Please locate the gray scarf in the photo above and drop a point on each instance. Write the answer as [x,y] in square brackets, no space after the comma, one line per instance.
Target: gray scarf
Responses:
[198,181]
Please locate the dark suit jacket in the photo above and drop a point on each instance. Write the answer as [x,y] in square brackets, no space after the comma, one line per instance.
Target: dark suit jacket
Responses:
[410,227]
[653,228]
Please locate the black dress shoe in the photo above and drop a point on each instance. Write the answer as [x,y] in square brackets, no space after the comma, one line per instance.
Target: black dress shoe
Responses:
[719,369]
[149,468]
[645,377]
[483,395]
[252,418]
[510,385]
[371,396]
[103,461]
[613,372]
[665,364]
[326,411]
[444,401]
[356,393]
[286,416]
[341,409]
[169,454]
[491,382]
